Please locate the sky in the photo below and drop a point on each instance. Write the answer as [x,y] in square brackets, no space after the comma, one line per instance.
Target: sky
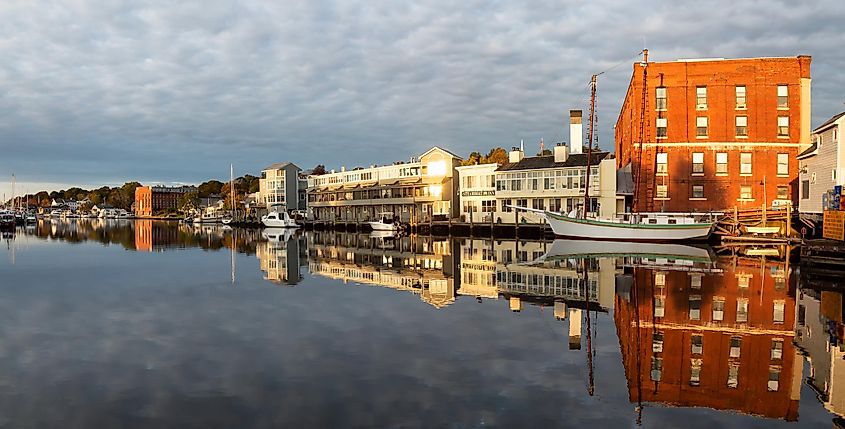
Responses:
[102,92]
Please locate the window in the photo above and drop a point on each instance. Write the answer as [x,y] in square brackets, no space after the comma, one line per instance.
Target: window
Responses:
[777,317]
[695,372]
[656,368]
[659,306]
[718,309]
[745,192]
[783,97]
[661,128]
[697,344]
[554,204]
[662,191]
[657,342]
[783,126]
[774,379]
[783,192]
[506,206]
[736,344]
[701,126]
[660,95]
[743,280]
[537,204]
[733,376]
[721,163]
[695,280]
[805,189]
[701,97]
[695,307]
[783,164]
[777,349]
[698,163]
[742,126]
[742,310]
[740,97]
[488,206]
[697,191]
[745,163]
[662,164]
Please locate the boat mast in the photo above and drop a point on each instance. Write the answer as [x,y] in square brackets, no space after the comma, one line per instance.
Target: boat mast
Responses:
[232,187]
[590,144]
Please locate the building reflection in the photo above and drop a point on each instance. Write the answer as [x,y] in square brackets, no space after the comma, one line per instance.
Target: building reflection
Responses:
[722,340]
[419,265]
[281,255]
[820,337]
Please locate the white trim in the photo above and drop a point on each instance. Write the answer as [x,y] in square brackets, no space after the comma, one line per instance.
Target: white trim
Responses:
[724,144]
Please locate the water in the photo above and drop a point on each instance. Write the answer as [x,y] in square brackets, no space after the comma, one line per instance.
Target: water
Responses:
[146,324]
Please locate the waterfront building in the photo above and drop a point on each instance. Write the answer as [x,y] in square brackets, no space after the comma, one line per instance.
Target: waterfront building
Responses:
[420,190]
[821,167]
[715,133]
[477,193]
[279,187]
[555,182]
[150,200]
[721,340]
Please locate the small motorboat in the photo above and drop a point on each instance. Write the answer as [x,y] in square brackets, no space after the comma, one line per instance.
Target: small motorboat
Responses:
[276,219]
[386,222]
[7,220]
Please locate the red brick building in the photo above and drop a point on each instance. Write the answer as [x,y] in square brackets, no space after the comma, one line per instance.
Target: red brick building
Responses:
[721,340]
[150,200]
[715,133]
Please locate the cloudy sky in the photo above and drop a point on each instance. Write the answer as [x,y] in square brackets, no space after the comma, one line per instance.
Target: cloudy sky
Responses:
[106,91]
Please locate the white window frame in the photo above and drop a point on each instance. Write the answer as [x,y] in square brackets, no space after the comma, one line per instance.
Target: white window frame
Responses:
[746,164]
[701,122]
[661,124]
[783,125]
[783,97]
[743,97]
[783,164]
[741,126]
[721,159]
[698,161]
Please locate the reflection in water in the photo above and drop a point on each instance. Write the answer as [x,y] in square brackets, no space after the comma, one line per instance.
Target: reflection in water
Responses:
[693,330]
[721,341]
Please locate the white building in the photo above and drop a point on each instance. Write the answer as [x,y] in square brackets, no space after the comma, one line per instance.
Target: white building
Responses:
[822,166]
[477,192]
[279,187]
[417,191]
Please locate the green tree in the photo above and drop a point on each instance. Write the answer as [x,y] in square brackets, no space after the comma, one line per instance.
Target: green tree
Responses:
[472,159]
[318,170]
[211,187]
[189,201]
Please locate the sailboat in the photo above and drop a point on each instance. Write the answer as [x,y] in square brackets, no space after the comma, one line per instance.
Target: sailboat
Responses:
[227,218]
[657,226]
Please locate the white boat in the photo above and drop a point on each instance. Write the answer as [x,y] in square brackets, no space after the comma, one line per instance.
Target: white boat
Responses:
[227,219]
[208,218]
[276,219]
[636,227]
[387,223]
[55,213]
[7,220]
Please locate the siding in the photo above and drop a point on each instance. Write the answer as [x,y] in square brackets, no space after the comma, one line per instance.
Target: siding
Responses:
[823,164]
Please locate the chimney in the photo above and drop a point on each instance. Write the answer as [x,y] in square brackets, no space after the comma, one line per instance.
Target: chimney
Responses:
[343,169]
[576,132]
[561,152]
[574,329]
[516,154]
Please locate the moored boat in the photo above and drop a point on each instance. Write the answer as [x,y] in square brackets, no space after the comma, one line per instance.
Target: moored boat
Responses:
[385,223]
[637,227]
[276,219]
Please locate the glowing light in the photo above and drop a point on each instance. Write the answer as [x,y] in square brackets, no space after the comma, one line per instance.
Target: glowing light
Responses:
[435,190]
[437,168]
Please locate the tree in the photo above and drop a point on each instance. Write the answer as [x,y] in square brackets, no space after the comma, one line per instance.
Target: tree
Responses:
[473,159]
[319,170]
[497,156]
[188,201]
[211,187]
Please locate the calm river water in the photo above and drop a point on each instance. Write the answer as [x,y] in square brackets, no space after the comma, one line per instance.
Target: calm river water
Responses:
[154,324]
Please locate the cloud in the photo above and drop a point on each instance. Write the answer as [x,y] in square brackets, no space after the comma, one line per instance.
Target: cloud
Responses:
[111,91]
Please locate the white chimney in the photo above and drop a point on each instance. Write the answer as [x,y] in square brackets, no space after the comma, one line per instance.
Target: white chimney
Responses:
[574,329]
[561,152]
[516,154]
[343,169]
[576,132]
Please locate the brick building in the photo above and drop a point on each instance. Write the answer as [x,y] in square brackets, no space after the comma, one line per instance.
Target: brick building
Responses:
[720,340]
[150,200]
[715,133]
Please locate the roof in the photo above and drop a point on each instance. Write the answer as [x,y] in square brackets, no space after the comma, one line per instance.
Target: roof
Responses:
[548,161]
[829,122]
[440,148]
[810,151]
[279,166]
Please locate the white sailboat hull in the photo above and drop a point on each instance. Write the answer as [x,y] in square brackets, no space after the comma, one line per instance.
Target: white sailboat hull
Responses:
[381,226]
[278,220]
[561,248]
[608,230]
